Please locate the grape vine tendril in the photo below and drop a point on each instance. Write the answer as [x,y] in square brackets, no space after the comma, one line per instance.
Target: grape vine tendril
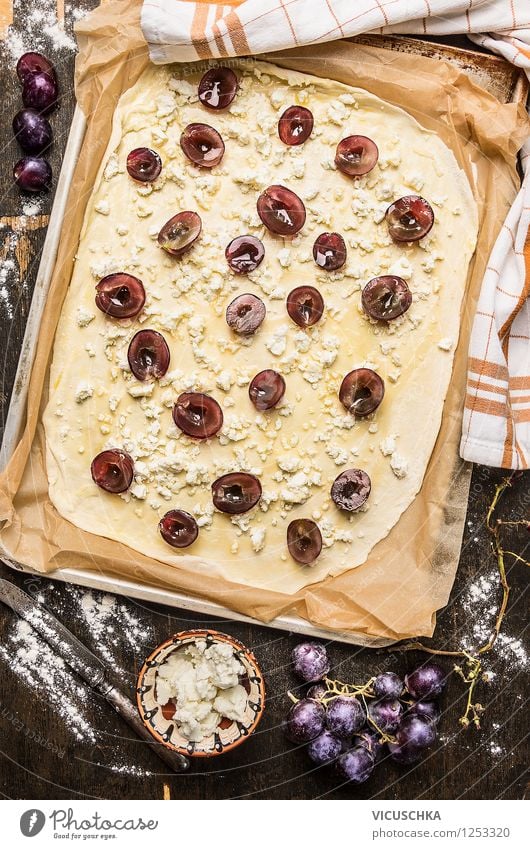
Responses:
[471,671]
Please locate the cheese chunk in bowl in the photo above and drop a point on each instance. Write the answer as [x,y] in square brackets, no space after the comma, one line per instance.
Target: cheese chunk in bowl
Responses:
[201,693]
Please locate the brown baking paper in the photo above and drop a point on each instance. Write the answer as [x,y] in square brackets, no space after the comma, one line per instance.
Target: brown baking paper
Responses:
[408,575]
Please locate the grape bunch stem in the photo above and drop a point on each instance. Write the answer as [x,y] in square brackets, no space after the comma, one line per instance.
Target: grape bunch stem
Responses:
[471,671]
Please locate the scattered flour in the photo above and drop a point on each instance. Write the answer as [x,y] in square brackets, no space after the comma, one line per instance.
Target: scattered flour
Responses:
[9,276]
[42,31]
[35,663]
[480,606]
[112,626]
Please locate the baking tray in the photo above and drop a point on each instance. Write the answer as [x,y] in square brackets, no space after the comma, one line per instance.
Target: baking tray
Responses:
[506,82]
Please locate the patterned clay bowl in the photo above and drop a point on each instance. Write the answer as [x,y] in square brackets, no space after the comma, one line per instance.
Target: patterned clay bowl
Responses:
[229,733]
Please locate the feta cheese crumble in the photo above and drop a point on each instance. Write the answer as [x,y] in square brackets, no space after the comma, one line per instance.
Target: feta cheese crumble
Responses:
[203,683]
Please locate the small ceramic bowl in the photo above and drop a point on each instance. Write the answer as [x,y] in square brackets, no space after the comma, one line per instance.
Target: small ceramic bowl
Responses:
[229,733]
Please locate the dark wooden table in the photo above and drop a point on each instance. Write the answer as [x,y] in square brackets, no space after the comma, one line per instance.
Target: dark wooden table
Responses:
[40,758]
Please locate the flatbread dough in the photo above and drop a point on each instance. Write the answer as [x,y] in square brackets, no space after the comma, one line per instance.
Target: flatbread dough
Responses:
[299,448]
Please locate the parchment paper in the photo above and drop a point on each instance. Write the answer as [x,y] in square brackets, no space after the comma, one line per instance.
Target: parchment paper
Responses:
[408,575]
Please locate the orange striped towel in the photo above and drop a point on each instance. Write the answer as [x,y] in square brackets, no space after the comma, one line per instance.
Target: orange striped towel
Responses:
[496,425]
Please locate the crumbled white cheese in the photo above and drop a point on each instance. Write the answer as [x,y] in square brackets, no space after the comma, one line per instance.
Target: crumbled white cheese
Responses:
[224,380]
[139,491]
[284,257]
[102,206]
[445,344]
[401,268]
[232,703]
[399,465]
[194,678]
[257,539]
[83,391]
[387,446]
[112,167]
[277,343]
[84,317]
[140,390]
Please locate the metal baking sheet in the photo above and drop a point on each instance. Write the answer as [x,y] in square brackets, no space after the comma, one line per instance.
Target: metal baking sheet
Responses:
[492,73]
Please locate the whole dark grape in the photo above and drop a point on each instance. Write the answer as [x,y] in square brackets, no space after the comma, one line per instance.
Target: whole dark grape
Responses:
[388,685]
[324,748]
[32,131]
[310,661]
[32,174]
[344,716]
[386,714]
[40,92]
[404,755]
[317,691]
[426,682]
[427,710]
[414,735]
[33,63]
[356,765]
[369,740]
[305,721]
[416,730]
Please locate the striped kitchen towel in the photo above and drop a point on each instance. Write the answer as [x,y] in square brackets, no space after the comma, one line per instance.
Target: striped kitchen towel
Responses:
[496,424]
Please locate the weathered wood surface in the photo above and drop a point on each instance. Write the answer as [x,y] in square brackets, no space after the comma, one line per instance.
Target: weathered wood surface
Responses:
[468,764]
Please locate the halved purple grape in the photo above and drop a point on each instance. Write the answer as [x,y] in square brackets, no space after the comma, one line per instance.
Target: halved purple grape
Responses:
[40,92]
[217,88]
[113,470]
[120,295]
[144,164]
[266,389]
[33,63]
[198,415]
[295,125]
[32,174]
[178,528]
[329,251]
[281,210]
[245,314]
[236,492]
[305,306]
[350,490]
[386,714]
[244,254]
[426,682]
[148,355]
[356,765]
[32,131]
[409,218]
[305,721]
[356,155]
[304,541]
[310,661]
[180,232]
[361,391]
[202,145]
[385,298]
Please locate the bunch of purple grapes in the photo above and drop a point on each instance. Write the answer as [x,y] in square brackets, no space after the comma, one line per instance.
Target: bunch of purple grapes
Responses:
[32,129]
[354,726]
